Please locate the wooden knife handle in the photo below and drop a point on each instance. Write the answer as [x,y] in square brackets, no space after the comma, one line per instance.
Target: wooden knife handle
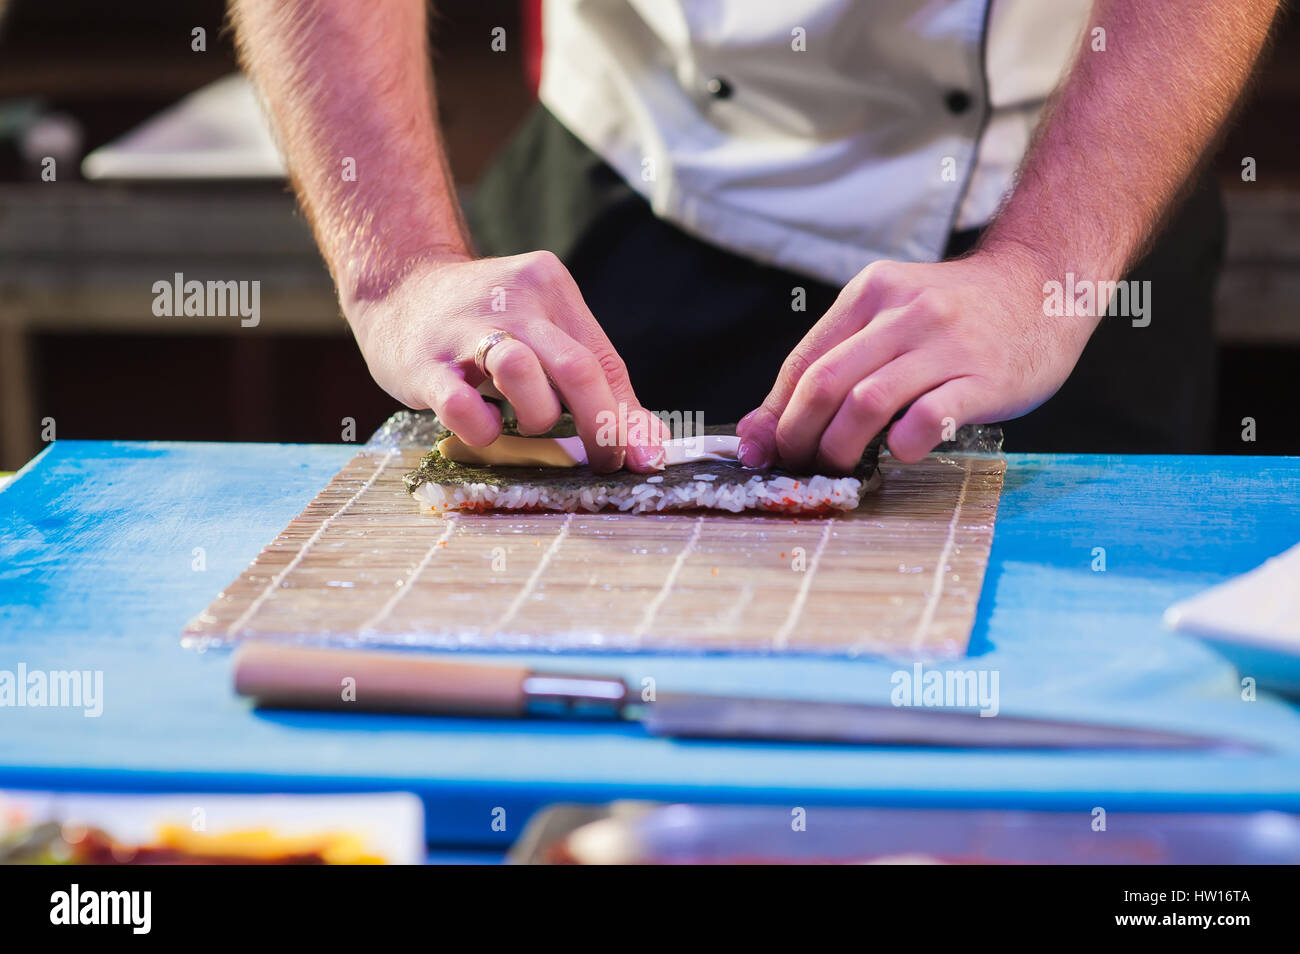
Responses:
[294,677]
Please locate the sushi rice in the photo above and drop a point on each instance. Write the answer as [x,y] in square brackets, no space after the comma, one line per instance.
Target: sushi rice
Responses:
[775,493]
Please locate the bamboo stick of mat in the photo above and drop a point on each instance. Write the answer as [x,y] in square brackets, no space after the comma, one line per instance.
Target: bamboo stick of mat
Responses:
[901,575]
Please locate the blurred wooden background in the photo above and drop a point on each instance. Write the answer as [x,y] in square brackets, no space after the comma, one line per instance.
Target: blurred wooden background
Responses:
[79,344]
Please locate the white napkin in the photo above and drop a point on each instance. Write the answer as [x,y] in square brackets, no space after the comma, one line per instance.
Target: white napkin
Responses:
[1260,607]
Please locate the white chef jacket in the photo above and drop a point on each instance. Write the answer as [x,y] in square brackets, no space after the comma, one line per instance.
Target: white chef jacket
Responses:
[817,135]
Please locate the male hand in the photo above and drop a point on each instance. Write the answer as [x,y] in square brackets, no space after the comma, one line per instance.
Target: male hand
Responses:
[419,341]
[964,341]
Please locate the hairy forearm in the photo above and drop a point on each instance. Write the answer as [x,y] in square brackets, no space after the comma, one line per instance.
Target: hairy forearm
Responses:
[351,95]
[1127,129]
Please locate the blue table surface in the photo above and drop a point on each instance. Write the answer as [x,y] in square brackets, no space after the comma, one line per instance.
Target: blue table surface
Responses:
[97,544]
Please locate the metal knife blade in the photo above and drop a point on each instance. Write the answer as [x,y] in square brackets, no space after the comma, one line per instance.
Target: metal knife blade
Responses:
[685,715]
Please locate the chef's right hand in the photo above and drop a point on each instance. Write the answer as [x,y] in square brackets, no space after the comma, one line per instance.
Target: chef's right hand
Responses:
[419,340]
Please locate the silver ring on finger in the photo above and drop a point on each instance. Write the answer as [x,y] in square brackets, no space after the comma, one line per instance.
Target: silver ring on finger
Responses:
[486,344]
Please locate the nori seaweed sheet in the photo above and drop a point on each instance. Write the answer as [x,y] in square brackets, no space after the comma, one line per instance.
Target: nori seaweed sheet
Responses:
[436,468]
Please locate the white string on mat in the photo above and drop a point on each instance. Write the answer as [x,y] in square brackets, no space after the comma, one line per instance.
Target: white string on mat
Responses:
[368,628]
[796,609]
[647,618]
[289,567]
[936,584]
[536,575]
[726,624]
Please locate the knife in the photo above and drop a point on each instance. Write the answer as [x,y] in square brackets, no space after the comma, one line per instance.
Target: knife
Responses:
[294,677]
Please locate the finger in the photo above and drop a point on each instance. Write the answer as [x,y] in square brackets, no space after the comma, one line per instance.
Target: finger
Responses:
[870,405]
[461,408]
[757,429]
[825,386]
[582,384]
[645,431]
[857,305]
[931,416]
[515,371]
[759,444]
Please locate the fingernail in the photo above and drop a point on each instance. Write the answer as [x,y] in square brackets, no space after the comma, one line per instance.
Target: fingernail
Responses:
[647,458]
[615,464]
[750,454]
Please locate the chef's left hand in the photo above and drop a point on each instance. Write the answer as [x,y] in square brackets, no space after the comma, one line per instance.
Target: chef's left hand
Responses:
[963,341]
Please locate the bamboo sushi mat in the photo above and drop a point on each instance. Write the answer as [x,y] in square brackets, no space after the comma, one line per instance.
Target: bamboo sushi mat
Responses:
[899,576]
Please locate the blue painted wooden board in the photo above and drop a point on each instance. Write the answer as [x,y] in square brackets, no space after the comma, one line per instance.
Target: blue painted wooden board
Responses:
[97,546]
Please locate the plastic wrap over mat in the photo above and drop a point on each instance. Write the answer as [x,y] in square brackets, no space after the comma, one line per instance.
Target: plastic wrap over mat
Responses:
[363,564]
